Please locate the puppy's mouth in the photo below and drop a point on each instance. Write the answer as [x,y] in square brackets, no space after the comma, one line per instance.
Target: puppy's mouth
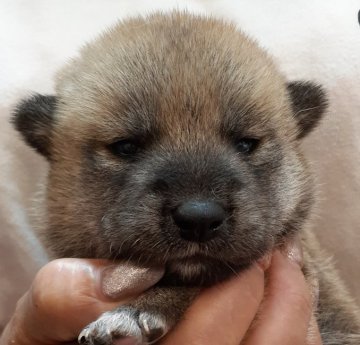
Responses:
[201,270]
[195,265]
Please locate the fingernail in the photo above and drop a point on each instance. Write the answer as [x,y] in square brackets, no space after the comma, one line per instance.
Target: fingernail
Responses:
[265,261]
[314,290]
[125,280]
[313,333]
[293,251]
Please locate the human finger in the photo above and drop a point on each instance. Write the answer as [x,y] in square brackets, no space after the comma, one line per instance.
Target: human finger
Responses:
[221,314]
[287,308]
[67,294]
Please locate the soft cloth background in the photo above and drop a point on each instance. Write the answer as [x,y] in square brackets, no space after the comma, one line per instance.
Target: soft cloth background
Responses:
[318,40]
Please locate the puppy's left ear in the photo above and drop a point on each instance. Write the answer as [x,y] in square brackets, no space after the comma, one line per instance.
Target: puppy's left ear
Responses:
[309,103]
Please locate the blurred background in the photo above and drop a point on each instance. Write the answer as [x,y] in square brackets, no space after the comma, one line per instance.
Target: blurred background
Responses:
[317,40]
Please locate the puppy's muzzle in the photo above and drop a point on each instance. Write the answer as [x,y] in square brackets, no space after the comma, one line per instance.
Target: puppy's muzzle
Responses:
[199,220]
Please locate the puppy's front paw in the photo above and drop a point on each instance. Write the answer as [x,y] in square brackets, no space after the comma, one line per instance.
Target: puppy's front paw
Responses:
[124,326]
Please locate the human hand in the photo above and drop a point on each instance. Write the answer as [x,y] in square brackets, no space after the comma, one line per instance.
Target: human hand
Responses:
[239,311]
[66,295]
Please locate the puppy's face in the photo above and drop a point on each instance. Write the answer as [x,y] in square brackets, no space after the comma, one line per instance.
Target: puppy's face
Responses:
[173,140]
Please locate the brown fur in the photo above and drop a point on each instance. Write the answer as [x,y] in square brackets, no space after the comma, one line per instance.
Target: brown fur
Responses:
[184,89]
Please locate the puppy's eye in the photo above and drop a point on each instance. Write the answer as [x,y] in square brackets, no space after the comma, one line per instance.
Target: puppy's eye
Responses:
[246,145]
[124,148]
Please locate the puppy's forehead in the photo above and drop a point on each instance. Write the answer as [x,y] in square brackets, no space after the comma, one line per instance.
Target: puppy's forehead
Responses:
[169,73]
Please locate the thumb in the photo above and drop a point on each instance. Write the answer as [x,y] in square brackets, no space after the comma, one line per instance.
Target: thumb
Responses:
[67,294]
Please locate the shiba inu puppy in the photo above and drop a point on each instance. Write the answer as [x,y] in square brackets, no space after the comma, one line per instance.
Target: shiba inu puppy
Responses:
[174,141]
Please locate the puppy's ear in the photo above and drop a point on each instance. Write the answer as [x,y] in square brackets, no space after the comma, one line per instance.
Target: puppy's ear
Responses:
[309,103]
[34,118]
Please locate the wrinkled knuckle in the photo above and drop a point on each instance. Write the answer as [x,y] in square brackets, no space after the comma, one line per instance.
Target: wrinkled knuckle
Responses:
[41,296]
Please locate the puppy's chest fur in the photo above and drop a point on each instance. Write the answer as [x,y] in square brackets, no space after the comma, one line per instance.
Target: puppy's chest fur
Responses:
[173,140]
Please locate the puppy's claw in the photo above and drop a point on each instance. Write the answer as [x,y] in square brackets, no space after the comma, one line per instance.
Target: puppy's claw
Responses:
[152,326]
[82,339]
[125,326]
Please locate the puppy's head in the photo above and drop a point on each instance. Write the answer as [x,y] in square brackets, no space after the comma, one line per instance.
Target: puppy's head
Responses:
[173,140]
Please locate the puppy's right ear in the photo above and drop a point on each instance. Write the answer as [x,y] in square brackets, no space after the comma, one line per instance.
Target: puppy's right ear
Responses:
[309,102]
[34,119]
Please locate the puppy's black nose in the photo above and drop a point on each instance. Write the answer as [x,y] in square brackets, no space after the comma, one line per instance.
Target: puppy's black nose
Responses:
[198,220]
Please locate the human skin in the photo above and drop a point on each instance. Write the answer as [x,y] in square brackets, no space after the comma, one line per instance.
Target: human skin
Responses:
[67,294]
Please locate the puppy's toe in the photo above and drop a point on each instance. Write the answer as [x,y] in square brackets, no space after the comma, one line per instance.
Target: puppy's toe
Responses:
[119,327]
[153,326]
[124,326]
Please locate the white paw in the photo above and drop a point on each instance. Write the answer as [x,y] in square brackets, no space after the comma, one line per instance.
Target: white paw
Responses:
[124,326]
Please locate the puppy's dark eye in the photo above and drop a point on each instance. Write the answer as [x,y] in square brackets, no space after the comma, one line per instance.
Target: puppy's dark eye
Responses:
[124,148]
[246,145]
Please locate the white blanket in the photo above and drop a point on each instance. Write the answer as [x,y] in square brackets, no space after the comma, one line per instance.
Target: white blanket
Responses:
[317,40]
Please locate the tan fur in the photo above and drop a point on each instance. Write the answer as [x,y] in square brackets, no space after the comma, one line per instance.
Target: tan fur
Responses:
[337,313]
[184,84]
[139,61]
